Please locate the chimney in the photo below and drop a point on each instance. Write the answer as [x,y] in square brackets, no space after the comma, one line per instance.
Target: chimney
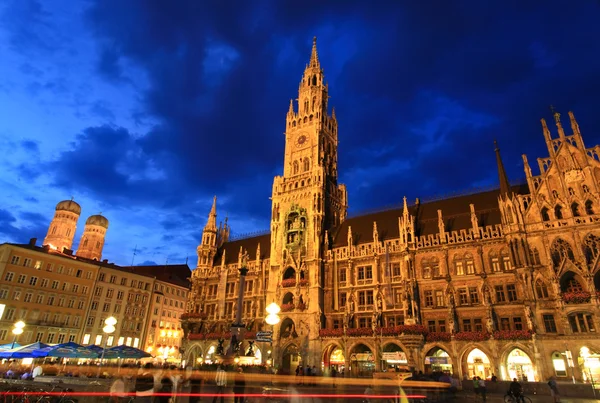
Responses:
[68,251]
[32,241]
[105,261]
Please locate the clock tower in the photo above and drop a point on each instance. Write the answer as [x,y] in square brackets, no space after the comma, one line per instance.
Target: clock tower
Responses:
[308,203]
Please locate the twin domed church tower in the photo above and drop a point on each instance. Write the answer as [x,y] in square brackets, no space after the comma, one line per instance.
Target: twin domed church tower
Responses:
[64,224]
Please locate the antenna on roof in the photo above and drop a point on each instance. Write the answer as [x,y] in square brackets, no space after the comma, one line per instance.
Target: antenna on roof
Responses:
[72,198]
[186,259]
[134,253]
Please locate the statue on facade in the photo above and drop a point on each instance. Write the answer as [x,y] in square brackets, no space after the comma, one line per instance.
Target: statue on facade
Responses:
[405,307]
[220,348]
[489,324]
[379,303]
[250,351]
[451,326]
[529,318]
[487,298]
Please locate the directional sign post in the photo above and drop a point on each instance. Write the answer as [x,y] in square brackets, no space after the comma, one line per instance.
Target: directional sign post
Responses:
[265,337]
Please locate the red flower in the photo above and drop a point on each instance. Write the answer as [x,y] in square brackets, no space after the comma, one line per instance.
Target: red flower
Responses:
[360,331]
[339,332]
[290,282]
[303,282]
[287,307]
[472,336]
[438,336]
[576,297]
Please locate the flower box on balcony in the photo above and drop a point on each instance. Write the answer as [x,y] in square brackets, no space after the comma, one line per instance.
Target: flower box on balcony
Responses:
[194,315]
[513,334]
[438,336]
[301,307]
[577,297]
[196,336]
[339,332]
[217,335]
[402,329]
[360,331]
[290,282]
[287,307]
[472,336]
[302,282]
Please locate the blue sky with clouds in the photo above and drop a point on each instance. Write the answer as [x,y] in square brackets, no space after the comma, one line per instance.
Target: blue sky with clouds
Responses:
[143,110]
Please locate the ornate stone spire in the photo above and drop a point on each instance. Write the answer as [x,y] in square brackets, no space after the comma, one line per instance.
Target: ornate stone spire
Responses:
[504,184]
[314,55]
[211,224]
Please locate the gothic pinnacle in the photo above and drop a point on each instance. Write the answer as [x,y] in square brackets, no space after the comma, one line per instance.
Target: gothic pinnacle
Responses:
[314,56]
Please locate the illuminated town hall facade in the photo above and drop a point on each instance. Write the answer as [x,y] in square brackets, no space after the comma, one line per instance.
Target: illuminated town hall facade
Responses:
[499,282]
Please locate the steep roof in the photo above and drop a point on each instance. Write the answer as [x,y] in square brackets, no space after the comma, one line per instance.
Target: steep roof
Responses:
[176,274]
[455,212]
[232,249]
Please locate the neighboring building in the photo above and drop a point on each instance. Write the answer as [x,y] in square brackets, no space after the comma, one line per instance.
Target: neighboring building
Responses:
[48,290]
[63,296]
[503,281]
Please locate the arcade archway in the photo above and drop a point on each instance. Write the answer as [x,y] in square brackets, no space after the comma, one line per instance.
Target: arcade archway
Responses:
[519,366]
[478,364]
[362,361]
[438,360]
[290,359]
[393,358]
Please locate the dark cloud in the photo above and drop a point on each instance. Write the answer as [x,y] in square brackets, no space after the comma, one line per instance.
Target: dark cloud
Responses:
[30,145]
[420,93]
[13,231]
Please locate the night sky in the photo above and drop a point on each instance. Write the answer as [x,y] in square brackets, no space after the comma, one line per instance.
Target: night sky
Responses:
[143,110]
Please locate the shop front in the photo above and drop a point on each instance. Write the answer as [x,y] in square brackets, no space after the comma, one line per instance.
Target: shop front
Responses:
[393,359]
[438,360]
[362,362]
[519,366]
[478,364]
[337,361]
[589,363]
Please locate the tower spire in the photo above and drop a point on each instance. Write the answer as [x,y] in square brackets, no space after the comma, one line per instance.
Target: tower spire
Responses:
[211,224]
[314,55]
[561,131]
[504,184]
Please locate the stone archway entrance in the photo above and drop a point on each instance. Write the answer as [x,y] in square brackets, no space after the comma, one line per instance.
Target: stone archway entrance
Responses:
[438,360]
[519,366]
[334,358]
[290,359]
[362,361]
[478,364]
[393,358]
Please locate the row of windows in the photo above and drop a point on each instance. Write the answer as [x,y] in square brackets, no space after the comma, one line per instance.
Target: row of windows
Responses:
[51,337]
[44,317]
[60,269]
[45,283]
[40,298]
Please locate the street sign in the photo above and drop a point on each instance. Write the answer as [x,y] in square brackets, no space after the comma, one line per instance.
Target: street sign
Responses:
[267,333]
[264,339]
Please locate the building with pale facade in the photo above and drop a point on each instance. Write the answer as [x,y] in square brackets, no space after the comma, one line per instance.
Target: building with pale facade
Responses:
[65,296]
[498,282]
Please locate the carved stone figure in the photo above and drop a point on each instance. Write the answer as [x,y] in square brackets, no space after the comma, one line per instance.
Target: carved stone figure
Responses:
[220,348]
[529,318]
[487,298]
[489,324]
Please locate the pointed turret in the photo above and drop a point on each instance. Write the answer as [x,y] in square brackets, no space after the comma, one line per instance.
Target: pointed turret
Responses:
[314,55]
[576,131]
[211,224]
[291,110]
[561,131]
[504,184]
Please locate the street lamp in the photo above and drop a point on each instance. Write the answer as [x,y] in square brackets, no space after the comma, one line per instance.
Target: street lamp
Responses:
[17,330]
[109,327]
[272,319]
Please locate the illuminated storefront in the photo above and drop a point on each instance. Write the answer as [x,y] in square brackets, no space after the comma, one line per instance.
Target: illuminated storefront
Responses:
[437,360]
[478,364]
[519,366]
[559,364]
[337,360]
[393,358]
[589,362]
[362,361]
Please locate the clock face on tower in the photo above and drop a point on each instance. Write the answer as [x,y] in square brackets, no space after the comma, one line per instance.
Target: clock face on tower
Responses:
[300,140]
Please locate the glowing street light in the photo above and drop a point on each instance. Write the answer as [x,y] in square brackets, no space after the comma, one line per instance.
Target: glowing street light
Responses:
[272,319]
[17,330]
[109,327]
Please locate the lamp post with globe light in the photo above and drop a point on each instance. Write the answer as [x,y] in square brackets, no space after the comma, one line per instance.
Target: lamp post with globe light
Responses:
[17,330]
[272,319]
[109,327]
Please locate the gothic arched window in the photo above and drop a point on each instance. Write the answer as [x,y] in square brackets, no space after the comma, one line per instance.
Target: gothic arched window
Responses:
[591,248]
[435,267]
[586,189]
[545,215]
[541,289]
[296,168]
[306,164]
[535,256]
[560,251]
[558,212]
[575,209]
[589,207]
[85,242]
